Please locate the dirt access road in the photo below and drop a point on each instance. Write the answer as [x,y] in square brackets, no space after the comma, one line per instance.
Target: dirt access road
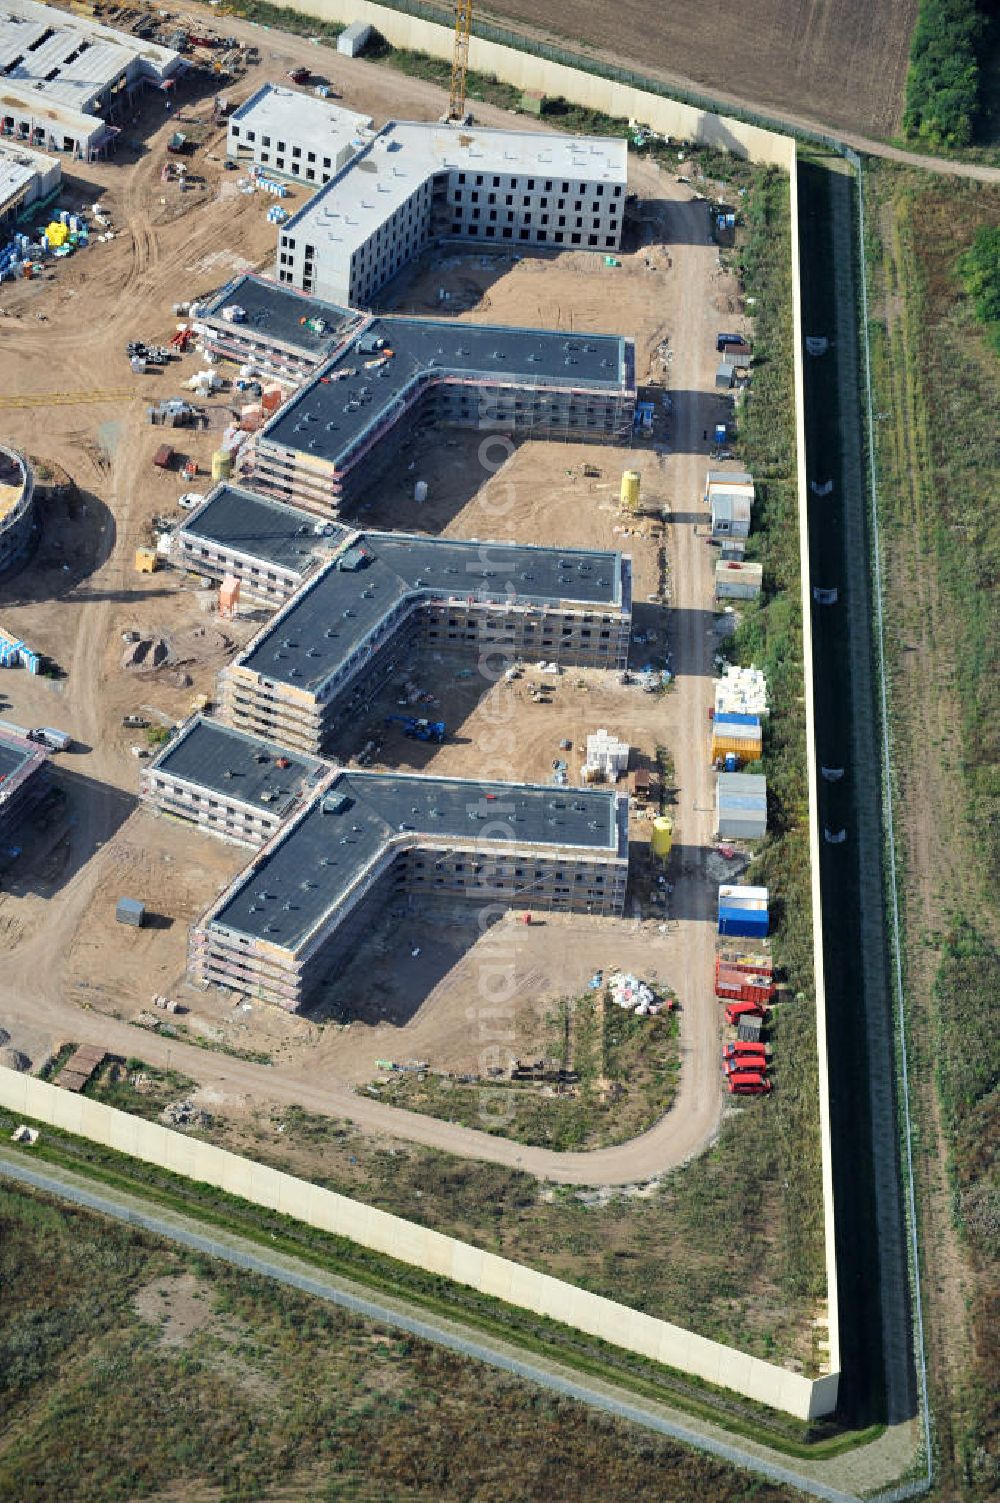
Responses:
[161,254]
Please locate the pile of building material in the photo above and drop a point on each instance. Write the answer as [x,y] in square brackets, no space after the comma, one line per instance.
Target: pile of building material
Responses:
[741,691]
[80,1066]
[633,995]
[14,654]
[185,1114]
[607,757]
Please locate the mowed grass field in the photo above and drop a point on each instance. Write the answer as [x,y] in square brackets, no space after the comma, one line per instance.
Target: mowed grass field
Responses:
[840,62]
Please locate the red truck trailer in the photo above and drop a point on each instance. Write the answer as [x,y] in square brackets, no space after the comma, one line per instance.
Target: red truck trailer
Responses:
[733,984]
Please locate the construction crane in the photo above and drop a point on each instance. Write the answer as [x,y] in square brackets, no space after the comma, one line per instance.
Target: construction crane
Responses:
[460,59]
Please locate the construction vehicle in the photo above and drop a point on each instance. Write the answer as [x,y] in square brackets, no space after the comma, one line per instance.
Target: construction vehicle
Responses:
[417,728]
[299,75]
[737,1010]
[748,1083]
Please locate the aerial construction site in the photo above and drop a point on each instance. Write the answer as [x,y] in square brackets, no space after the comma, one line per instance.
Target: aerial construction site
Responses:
[375,532]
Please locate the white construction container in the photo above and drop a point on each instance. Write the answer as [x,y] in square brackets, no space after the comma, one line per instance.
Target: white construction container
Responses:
[741,806]
[354,38]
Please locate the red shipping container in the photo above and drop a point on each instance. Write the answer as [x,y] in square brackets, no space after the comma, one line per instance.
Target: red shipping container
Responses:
[740,986]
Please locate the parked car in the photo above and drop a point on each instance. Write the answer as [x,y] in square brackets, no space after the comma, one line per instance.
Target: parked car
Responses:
[743,1049]
[748,1083]
[190,500]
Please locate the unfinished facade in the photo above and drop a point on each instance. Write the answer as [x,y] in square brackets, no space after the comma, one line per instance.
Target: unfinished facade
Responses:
[282,333]
[318,664]
[366,838]
[349,421]
[66,79]
[235,786]
[268,547]
[295,134]
[412,184]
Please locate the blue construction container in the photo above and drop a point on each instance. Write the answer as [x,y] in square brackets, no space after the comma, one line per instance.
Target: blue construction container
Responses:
[743,912]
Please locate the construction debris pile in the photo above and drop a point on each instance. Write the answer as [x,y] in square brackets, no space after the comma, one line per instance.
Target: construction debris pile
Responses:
[631,994]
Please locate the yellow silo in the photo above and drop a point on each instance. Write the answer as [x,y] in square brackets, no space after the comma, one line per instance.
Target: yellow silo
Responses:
[222,465]
[663,836]
[631,480]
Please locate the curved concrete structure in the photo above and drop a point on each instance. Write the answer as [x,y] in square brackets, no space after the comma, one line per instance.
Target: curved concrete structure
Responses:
[17,495]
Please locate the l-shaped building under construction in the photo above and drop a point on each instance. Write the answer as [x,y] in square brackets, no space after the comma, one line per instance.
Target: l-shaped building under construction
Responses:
[366,838]
[391,373]
[317,664]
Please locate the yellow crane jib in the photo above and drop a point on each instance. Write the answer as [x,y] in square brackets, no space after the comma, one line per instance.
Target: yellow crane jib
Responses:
[460,59]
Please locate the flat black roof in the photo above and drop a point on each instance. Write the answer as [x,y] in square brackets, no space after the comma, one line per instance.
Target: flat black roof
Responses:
[333,614]
[302,876]
[238,766]
[231,517]
[335,410]
[278,312]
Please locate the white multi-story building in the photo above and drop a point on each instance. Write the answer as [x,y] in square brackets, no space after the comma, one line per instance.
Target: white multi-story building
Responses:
[296,135]
[66,78]
[411,184]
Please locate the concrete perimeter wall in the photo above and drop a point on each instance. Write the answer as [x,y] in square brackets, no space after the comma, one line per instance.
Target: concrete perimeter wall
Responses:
[416,1245]
[523,70]
[829,1211]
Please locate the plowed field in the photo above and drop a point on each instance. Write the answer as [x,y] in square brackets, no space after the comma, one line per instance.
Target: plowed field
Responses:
[835,61]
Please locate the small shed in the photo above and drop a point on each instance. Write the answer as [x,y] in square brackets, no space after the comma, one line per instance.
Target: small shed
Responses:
[750,1029]
[725,375]
[737,580]
[741,806]
[130,911]
[642,785]
[354,38]
[146,560]
[731,512]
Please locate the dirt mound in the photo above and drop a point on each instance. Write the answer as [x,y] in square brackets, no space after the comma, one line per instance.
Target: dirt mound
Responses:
[148,652]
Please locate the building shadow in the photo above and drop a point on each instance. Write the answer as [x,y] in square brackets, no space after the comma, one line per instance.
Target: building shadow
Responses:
[62,832]
[382,981]
[73,536]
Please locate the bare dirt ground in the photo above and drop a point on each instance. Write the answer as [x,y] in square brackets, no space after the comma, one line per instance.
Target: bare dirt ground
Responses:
[69,971]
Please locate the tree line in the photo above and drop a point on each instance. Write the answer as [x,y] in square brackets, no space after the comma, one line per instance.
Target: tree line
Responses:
[942,84]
